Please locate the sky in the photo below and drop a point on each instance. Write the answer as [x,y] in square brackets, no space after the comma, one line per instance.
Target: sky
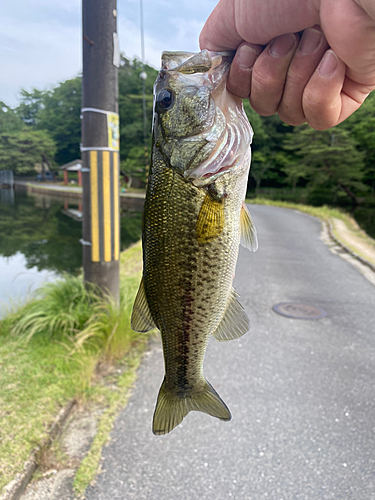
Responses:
[40,40]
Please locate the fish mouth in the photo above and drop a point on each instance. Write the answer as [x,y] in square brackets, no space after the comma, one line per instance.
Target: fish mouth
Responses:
[218,145]
[192,62]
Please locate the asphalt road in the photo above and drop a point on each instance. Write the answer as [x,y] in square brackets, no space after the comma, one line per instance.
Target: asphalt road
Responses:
[301,392]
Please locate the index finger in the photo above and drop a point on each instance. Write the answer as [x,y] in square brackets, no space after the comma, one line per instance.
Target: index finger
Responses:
[234,21]
[219,32]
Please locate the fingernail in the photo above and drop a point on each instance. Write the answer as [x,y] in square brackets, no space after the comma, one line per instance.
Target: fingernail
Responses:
[246,57]
[310,41]
[281,45]
[328,64]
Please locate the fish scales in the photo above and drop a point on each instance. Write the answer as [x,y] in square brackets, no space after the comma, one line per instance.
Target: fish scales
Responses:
[191,235]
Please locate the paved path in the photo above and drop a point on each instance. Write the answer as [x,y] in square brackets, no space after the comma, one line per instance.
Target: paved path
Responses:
[70,189]
[301,392]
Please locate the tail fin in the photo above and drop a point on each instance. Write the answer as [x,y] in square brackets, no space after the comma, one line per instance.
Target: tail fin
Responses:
[171,409]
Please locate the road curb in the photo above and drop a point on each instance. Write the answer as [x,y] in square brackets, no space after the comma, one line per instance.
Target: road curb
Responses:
[347,249]
[17,486]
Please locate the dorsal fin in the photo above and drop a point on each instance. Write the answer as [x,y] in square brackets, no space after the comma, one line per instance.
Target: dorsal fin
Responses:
[249,237]
[141,320]
[235,322]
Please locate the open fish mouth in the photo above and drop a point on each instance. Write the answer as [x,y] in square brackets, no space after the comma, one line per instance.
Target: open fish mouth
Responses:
[204,131]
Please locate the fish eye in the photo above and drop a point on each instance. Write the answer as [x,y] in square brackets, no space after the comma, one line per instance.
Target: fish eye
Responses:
[164,100]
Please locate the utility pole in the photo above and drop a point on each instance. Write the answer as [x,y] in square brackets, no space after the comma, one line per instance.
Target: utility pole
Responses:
[100,146]
[143,76]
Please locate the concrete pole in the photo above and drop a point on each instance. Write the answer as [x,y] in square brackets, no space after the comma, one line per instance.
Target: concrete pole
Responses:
[100,145]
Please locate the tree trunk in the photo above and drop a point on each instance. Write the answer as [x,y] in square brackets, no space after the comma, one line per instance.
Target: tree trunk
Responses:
[257,185]
[350,193]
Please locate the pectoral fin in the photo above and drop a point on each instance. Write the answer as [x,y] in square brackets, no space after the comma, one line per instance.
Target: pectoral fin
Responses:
[249,237]
[235,322]
[211,219]
[141,320]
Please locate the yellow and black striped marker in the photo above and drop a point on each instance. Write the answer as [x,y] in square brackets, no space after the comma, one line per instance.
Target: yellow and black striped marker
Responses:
[105,216]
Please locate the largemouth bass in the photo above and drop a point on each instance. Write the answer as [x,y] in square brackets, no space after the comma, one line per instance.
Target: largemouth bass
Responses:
[194,218]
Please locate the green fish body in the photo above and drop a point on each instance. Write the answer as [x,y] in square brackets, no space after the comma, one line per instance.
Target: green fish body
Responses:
[194,219]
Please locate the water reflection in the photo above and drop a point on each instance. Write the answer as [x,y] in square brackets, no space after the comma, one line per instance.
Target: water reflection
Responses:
[7,196]
[18,280]
[39,237]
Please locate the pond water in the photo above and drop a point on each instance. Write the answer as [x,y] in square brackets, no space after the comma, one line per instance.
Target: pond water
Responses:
[39,240]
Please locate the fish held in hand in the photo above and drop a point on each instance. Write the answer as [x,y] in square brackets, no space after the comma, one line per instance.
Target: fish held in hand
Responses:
[194,220]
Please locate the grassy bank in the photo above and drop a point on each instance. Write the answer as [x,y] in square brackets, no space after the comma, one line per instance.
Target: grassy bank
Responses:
[323,212]
[50,351]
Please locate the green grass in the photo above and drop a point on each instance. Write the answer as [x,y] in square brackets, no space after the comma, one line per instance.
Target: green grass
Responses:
[49,352]
[57,309]
[323,212]
[36,378]
[115,401]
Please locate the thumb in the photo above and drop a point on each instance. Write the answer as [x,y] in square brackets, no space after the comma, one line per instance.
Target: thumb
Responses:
[254,21]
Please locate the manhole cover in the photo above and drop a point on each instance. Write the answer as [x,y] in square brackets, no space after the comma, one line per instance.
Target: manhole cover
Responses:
[299,311]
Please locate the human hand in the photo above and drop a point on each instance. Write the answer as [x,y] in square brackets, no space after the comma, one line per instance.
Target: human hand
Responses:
[321,77]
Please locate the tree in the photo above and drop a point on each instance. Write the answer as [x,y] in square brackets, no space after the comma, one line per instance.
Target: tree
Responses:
[329,160]
[9,121]
[132,142]
[21,150]
[30,106]
[58,112]
[60,115]
[361,125]
[267,146]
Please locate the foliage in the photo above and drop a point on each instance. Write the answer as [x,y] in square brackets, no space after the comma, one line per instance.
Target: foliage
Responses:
[329,158]
[21,150]
[58,112]
[57,310]
[274,164]
[133,145]
[39,376]
[116,401]
[267,147]
[31,103]
[134,167]
[9,120]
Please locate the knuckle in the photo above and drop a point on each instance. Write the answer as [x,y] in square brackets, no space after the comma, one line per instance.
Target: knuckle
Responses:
[265,79]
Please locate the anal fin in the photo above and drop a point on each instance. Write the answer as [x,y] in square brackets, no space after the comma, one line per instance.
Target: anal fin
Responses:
[235,321]
[141,320]
[249,237]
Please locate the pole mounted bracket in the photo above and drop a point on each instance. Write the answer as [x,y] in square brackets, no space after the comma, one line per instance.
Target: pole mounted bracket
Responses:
[85,243]
[88,40]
